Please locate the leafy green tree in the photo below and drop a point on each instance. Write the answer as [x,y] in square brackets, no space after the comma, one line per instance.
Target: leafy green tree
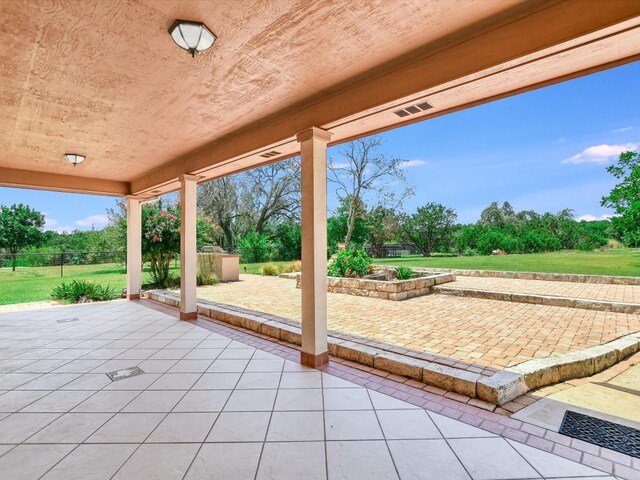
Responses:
[20,227]
[625,197]
[287,238]
[362,171]
[383,227]
[429,228]
[338,226]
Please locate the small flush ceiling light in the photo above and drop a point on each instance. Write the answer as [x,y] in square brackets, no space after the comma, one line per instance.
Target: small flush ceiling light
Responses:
[194,37]
[74,158]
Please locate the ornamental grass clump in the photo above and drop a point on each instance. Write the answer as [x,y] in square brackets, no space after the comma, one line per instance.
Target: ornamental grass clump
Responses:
[404,273]
[270,269]
[82,292]
[294,266]
[350,263]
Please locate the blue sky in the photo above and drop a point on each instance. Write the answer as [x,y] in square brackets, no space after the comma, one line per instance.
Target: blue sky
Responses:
[543,150]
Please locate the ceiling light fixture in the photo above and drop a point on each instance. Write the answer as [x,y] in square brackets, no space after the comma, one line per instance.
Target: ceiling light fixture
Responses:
[194,37]
[74,158]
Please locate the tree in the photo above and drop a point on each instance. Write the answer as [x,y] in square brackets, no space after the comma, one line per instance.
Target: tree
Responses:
[495,216]
[20,227]
[219,200]
[362,171]
[255,200]
[160,239]
[429,228]
[255,247]
[383,227]
[272,194]
[625,198]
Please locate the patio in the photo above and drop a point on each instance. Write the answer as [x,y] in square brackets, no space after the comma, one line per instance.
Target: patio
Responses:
[490,333]
[212,406]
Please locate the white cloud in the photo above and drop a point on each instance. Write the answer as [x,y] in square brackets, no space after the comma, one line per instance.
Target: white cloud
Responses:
[340,164]
[600,154]
[413,163]
[93,220]
[623,129]
[49,223]
[593,218]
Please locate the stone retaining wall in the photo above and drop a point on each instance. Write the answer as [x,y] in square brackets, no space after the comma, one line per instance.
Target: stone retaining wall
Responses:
[556,277]
[387,290]
[495,387]
[549,300]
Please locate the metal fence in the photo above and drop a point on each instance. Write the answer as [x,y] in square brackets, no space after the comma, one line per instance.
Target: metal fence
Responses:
[48,261]
[392,250]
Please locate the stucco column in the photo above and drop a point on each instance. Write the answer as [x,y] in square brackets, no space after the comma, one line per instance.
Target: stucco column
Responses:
[134,246]
[313,151]
[188,259]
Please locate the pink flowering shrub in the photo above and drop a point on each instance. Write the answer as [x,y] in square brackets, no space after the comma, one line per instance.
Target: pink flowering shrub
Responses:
[160,239]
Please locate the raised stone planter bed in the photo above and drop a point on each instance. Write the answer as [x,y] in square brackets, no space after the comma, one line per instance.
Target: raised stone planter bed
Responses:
[389,289]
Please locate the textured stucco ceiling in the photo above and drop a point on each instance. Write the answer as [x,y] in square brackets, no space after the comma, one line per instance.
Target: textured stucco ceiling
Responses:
[104,78]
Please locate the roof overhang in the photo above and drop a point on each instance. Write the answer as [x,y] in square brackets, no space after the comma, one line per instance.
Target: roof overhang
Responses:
[502,49]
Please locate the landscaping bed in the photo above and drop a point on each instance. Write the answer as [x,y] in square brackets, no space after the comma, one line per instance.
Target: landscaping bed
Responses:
[383,284]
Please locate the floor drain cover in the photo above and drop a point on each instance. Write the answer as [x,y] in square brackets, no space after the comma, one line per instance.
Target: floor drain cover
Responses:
[601,432]
[67,320]
[124,373]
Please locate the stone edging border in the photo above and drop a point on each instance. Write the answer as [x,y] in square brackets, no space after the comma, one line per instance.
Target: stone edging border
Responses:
[555,277]
[550,300]
[497,389]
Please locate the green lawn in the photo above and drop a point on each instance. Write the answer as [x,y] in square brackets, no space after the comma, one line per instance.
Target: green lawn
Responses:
[34,284]
[620,261]
[254,268]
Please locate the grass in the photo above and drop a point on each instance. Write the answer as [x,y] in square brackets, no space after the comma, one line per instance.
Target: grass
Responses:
[35,284]
[254,268]
[619,261]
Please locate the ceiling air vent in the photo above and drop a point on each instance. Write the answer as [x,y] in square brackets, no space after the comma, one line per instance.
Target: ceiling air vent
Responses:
[413,109]
[270,154]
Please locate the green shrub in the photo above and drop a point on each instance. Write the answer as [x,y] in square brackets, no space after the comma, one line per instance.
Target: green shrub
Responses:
[83,291]
[404,273]
[207,278]
[586,245]
[270,269]
[294,266]
[350,263]
[255,248]
[469,252]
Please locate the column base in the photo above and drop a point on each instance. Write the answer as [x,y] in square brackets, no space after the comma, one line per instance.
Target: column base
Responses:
[314,361]
[188,315]
[133,296]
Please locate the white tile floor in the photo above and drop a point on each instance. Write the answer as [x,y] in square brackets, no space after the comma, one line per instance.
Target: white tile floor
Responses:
[208,407]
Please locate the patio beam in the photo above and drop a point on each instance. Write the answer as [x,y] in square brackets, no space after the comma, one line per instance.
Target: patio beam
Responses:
[188,259]
[313,147]
[134,247]
[11,177]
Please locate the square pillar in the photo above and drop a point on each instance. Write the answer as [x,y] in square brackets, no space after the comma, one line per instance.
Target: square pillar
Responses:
[134,246]
[188,258]
[313,152]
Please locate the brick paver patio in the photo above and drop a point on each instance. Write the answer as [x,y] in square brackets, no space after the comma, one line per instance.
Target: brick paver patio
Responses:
[487,332]
[592,291]
[209,406]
